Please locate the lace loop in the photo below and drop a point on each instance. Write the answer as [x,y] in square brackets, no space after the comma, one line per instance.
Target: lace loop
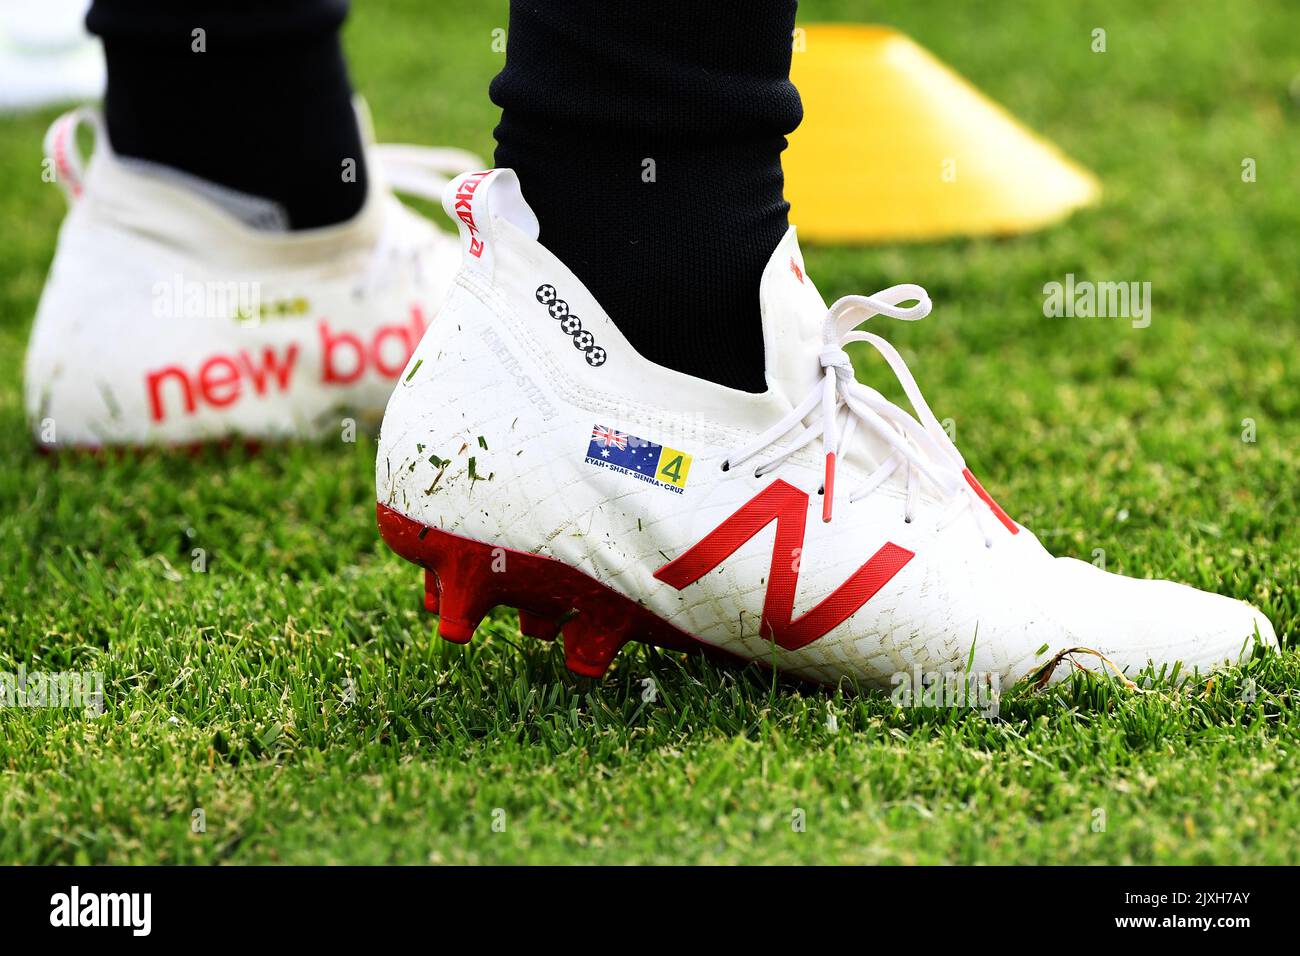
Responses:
[835,357]
[919,444]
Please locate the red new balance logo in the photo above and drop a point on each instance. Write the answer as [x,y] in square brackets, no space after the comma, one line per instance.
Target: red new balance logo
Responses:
[789,507]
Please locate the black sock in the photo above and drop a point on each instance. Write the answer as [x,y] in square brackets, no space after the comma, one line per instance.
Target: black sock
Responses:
[265,108]
[590,91]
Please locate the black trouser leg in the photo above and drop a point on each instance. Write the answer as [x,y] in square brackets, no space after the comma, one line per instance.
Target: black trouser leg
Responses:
[648,138]
[250,94]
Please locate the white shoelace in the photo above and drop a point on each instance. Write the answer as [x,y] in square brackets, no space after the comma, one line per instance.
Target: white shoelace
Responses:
[423,171]
[922,447]
[420,171]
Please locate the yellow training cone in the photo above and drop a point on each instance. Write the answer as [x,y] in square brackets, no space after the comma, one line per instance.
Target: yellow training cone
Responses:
[894,145]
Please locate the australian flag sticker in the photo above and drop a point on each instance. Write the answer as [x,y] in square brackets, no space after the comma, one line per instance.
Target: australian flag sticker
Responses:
[654,464]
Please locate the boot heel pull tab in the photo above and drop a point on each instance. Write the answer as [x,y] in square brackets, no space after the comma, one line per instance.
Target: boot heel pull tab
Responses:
[477,202]
[63,157]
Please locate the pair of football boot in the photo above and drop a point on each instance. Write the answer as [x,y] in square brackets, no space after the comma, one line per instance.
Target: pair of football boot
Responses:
[530,457]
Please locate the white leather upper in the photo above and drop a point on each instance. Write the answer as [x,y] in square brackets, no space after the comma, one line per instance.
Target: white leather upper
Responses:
[118,355]
[486,436]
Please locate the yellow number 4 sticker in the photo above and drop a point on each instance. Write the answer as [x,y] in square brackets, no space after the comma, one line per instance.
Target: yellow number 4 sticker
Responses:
[674,466]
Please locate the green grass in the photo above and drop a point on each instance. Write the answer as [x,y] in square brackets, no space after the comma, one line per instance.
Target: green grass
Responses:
[295,693]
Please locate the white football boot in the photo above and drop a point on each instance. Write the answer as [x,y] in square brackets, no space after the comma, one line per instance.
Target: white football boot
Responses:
[179,312]
[46,55]
[530,457]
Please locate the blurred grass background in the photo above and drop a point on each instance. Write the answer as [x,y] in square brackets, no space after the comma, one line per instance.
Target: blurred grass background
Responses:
[296,695]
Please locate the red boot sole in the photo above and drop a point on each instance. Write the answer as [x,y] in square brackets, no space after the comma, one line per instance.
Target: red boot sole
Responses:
[465,579]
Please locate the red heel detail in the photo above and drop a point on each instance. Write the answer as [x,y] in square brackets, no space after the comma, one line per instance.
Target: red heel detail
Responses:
[430,591]
[465,579]
[466,591]
[538,626]
[457,631]
[589,647]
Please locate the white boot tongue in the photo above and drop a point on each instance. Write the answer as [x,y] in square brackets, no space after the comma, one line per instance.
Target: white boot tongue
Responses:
[793,313]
